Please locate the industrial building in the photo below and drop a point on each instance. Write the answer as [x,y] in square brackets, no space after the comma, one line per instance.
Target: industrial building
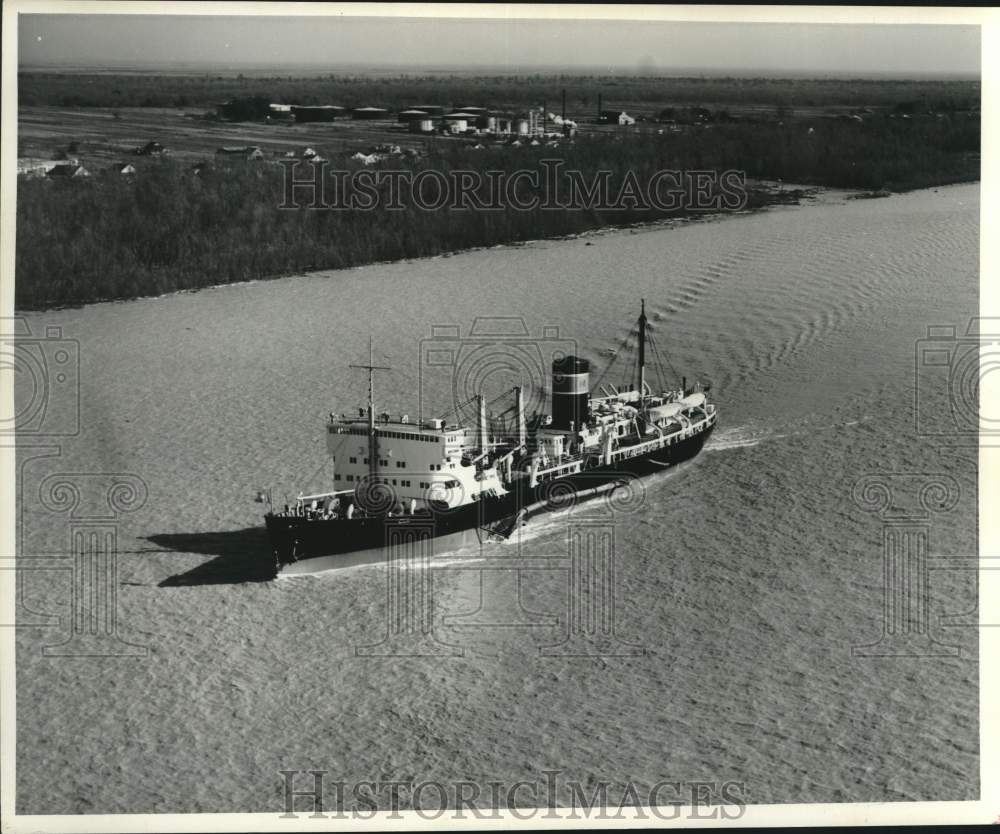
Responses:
[478,116]
[369,113]
[458,122]
[531,123]
[280,113]
[429,109]
[407,116]
[316,113]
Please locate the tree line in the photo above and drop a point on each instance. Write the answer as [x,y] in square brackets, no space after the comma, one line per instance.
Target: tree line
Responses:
[170,228]
[395,92]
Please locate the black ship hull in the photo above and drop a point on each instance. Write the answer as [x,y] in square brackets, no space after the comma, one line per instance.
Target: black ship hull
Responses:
[307,545]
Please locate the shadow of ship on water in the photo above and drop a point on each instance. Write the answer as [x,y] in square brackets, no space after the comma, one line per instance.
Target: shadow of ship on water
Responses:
[240,556]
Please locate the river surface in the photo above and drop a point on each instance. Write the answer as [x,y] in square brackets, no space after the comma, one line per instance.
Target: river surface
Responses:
[742,580]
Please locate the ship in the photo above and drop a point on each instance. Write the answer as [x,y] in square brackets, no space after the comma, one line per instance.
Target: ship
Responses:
[453,484]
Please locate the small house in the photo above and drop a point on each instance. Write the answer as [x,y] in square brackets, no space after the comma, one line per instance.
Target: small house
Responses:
[68,171]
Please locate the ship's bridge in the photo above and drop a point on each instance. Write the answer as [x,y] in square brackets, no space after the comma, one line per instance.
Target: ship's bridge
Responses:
[420,461]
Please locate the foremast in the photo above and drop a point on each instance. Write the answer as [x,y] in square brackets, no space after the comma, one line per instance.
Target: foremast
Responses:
[642,353]
[372,436]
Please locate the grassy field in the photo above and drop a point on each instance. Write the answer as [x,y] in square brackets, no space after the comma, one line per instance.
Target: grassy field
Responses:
[641,93]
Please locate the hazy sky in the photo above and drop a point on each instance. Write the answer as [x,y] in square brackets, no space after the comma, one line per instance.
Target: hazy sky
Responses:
[414,44]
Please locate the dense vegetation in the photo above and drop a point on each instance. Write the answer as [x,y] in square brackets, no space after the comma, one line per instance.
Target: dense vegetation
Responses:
[97,90]
[110,236]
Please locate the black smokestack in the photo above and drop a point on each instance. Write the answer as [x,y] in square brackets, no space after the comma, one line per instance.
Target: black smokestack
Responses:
[570,393]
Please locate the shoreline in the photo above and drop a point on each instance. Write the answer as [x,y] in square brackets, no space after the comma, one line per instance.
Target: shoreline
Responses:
[803,196]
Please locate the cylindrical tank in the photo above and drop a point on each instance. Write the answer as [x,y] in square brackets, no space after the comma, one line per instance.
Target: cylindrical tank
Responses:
[406,116]
[570,393]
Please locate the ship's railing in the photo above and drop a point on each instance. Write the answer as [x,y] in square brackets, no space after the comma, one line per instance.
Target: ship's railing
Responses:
[322,496]
[665,440]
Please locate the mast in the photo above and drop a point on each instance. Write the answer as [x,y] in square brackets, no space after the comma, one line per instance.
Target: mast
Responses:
[372,437]
[642,352]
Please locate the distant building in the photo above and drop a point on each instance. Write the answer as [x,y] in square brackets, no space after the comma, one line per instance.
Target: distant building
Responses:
[458,122]
[366,158]
[406,116]
[248,109]
[429,109]
[616,117]
[316,113]
[424,125]
[244,151]
[34,167]
[68,171]
[369,113]
[280,113]
[478,116]
[123,168]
